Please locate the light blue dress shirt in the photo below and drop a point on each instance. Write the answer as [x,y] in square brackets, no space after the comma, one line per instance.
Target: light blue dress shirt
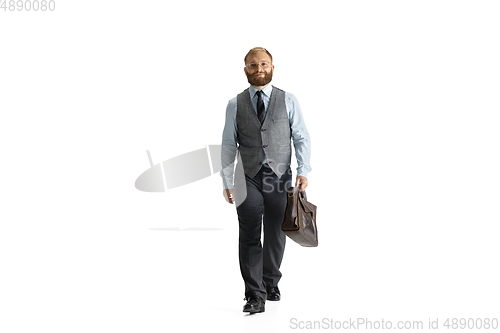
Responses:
[300,136]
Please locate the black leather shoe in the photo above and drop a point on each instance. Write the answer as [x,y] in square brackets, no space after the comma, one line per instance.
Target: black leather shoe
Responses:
[255,304]
[273,294]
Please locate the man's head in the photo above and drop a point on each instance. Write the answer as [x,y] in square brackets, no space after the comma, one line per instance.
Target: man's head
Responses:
[259,67]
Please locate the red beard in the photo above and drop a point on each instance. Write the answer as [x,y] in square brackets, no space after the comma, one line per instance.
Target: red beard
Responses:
[260,81]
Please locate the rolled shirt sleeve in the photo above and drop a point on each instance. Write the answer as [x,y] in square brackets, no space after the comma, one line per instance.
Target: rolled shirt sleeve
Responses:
[229,146]
[300,135]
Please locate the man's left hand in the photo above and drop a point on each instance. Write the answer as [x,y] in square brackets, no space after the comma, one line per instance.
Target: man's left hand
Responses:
[302,181]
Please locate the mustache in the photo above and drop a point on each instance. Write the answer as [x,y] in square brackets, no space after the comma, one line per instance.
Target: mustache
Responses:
[266,74]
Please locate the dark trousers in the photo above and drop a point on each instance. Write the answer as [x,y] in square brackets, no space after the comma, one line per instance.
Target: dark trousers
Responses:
[265,202]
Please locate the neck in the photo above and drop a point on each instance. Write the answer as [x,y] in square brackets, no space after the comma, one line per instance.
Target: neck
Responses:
[259,87]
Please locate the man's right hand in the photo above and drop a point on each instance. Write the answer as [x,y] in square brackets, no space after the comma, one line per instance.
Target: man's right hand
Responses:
[229,195]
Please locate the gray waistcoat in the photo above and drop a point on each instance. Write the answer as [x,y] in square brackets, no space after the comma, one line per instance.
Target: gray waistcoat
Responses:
[271,138]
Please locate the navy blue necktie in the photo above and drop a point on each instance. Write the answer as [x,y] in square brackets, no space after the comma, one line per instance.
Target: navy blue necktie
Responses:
[260,107]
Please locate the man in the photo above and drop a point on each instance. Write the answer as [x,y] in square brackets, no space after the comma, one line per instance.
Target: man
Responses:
[260,122]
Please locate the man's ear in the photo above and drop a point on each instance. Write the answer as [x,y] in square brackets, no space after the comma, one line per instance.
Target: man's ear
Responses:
[245,70]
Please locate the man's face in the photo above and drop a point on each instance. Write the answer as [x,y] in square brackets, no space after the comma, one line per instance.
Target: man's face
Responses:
[259,69]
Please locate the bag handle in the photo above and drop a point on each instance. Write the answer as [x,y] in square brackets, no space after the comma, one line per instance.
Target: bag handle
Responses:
[296,190]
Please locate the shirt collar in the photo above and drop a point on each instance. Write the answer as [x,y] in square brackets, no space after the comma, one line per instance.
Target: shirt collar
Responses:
[267,91]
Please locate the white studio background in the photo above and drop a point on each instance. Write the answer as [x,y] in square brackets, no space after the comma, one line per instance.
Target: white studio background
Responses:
[401,101]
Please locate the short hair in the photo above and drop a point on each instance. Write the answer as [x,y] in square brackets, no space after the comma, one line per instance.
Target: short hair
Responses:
[258,49]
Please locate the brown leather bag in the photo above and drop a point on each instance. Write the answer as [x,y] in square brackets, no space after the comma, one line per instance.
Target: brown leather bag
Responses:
[300,218]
